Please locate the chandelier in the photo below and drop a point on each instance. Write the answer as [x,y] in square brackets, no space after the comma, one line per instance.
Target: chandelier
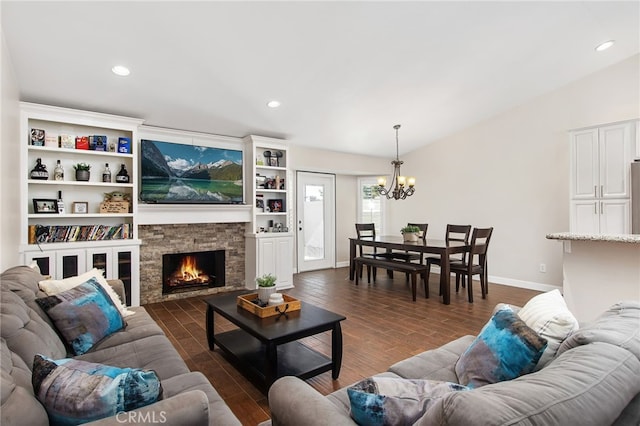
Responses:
[400,187]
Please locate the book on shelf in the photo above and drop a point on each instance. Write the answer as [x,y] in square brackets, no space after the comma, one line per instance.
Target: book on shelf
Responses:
[39,234]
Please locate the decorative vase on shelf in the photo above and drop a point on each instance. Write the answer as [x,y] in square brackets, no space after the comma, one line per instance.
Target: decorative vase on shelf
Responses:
[39,171]
[82,171]
[266,287]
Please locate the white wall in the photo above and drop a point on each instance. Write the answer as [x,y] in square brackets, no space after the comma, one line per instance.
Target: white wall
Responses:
[512,172]
[9,164]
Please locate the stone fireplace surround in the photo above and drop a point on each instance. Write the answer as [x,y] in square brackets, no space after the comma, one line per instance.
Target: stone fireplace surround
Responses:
[159,239]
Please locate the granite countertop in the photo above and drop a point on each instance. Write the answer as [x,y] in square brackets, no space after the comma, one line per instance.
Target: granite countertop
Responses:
[618,238]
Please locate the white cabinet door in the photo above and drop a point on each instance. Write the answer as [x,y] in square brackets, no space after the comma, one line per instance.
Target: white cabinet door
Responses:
[121,263]
[284,266]
[584,164]
[614,217]
[101,258]
[46,261]
[70,263]
[615,159]
[267,256]
[275,256]
[585,217]
[600,217]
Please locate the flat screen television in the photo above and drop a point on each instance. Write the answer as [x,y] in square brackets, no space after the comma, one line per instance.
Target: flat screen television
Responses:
[174,173]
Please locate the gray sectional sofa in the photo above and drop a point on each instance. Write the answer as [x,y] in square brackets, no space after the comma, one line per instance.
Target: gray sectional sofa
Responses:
[188,397]
[593,380]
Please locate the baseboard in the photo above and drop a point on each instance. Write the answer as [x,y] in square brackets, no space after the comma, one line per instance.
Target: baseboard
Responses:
[344,264]
[523,284]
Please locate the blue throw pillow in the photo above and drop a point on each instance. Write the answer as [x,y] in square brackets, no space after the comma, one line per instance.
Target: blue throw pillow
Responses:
[75,392]
[394,401]
[506,348]
[83,315]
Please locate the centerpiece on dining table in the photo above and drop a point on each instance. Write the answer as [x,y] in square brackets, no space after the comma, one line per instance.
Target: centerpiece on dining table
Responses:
[410,233]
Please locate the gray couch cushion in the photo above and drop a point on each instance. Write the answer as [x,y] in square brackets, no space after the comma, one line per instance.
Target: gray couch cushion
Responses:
[618,326]
[18,404]
[589,385]
[138,326]
[221,413]
[23,281]
[25,332]
[150,353]
[435,364]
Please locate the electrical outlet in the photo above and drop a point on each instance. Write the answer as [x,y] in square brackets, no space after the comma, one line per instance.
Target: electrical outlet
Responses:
[543,267]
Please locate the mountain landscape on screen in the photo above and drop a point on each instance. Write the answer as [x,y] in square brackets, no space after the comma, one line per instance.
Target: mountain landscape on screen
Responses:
[178,173]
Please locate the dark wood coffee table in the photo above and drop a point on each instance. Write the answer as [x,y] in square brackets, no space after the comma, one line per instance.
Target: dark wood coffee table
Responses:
[266,349]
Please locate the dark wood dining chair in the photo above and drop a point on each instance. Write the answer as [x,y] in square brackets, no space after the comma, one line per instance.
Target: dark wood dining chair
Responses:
[475,263]
[459,233]
[368,230]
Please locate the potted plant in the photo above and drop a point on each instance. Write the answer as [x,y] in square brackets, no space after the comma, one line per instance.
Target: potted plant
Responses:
[410,233]
[266,287]
[82,171]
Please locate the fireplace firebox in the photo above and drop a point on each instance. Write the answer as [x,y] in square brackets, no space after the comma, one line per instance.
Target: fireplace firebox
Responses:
[192,271]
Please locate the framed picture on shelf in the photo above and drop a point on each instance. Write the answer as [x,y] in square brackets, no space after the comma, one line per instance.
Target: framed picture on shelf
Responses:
[275,205]
[80,207]
[259,203]
[42,205]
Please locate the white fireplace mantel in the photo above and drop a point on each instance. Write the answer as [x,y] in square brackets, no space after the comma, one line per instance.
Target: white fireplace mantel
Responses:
[159,214]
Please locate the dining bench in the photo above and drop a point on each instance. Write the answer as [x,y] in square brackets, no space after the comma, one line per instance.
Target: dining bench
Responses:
[413,269]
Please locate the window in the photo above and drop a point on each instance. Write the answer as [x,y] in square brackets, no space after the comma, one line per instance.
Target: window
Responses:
[370,203]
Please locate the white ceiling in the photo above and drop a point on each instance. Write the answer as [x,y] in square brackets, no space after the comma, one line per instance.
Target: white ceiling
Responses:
[345,72]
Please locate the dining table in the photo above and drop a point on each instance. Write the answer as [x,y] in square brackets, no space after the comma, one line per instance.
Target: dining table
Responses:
[441,248]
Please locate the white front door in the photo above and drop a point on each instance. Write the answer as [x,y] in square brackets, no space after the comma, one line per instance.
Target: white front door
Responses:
[315,221]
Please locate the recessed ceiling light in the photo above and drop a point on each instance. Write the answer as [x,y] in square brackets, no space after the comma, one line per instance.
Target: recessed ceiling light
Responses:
[605,45]
[273,104]
[121,70]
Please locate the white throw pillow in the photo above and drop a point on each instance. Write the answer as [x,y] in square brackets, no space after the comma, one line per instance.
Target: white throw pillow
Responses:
[548,315]
[53,287]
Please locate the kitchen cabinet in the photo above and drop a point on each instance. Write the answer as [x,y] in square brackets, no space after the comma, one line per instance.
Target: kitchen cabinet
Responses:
[600,216]
[600,178]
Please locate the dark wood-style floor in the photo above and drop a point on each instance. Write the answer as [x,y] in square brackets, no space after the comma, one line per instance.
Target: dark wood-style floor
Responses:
[383,326]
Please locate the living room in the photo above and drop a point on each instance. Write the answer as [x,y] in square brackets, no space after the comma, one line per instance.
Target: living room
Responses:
[508,168]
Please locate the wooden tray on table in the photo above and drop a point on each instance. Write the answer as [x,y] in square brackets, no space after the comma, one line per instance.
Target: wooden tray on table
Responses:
[246,302]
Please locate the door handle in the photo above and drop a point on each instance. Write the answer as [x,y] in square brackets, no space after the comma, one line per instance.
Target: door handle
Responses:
[595,208]
[601,191]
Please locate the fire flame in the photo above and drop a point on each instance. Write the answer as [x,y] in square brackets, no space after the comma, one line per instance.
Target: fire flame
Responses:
[189,269]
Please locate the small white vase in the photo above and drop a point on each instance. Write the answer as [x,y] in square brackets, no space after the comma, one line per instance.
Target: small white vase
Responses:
[265,292]
[410,236]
